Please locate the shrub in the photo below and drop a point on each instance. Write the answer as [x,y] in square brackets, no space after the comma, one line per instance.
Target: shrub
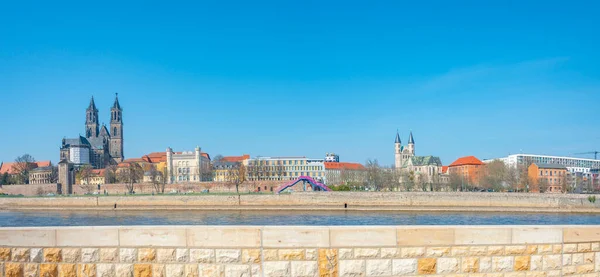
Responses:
[592,198]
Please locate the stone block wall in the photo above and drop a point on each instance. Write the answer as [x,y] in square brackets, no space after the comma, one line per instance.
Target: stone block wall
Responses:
[184,251]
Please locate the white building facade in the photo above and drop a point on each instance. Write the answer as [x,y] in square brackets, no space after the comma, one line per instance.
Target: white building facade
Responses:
[284,168]
[577,164]
[186,166]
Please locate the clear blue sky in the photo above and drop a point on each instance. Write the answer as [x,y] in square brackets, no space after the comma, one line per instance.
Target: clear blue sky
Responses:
[483,78]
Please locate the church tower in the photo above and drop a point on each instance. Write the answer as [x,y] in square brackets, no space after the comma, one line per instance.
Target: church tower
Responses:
[398,153]
[91,120]
[411,145]
[116,129]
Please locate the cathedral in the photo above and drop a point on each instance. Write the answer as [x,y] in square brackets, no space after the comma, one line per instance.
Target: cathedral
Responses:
[426,168]
[101,146]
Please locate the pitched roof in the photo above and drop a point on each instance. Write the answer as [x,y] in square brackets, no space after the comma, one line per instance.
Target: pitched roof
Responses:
[468,160]
[134,160]
[444,169]
[155,157]
[411,140]
[43,163]
[7,168]
[92,104]
[398,138]
[236,158]
[116,105]
[344,165]
[426,160]
[551,166]
[205,155]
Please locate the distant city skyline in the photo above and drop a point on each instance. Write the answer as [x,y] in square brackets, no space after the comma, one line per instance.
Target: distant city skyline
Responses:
[305,78]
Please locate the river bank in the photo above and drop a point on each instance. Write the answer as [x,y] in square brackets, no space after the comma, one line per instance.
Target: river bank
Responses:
[391,201]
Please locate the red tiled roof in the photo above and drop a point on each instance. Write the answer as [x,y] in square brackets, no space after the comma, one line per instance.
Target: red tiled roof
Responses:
[98,172]
[469,160]
[134,160]
[206,155]
[7,168]
[348,166]
[43,163]
[444,169]
[234,159]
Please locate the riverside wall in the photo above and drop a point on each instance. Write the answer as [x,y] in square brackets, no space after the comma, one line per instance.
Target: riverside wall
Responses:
[295,251]
[323,201]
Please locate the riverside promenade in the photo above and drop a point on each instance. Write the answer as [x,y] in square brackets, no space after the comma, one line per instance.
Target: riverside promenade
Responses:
[391,201]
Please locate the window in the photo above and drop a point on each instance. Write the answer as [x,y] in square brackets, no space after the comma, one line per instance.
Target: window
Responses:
[115,131]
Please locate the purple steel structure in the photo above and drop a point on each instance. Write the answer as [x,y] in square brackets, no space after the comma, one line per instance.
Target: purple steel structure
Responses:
[316,186]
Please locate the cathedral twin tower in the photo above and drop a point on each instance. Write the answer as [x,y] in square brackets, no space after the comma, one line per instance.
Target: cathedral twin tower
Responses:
[114,137]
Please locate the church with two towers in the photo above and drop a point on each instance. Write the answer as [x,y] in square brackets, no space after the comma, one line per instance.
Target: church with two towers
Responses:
[101,146]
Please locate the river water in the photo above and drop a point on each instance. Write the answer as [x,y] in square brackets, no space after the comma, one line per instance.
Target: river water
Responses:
[182,217]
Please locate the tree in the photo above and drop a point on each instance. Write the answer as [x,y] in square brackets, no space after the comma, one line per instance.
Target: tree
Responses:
[494,175]
[543,184]
[23,164]
[130,175]
[235,176]
[155,179]
[53,174]
[110,174]
[408,180]
[218,158]
[5,179]
[85,175]
[564,184]
[512,178]
[374,176]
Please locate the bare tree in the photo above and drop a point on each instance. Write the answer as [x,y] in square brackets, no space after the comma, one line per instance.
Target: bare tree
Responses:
[53,174]
[543,184]
[23,165]
[164,179]
[564,184]
[85,175]
[456,181]
[130,175]
[408,180]
[494,175]
[512,178]
[155,178]
[374,177]
[236,175]
[110,174]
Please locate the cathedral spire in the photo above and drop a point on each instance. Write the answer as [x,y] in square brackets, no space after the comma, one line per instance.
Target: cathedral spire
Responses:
[92,104]
[116,104]
[410,139]
[398,137]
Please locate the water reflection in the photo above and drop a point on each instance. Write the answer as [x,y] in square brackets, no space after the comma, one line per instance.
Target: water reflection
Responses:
[181,217]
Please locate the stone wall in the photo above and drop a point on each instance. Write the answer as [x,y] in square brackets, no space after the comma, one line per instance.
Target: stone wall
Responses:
[329,200]
[181,251]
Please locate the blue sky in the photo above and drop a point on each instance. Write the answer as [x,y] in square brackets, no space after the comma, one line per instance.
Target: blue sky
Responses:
[483,78]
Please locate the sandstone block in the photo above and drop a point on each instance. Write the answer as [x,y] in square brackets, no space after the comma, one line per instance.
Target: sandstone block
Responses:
[142,270]
[277,268]
[537,274]
[291,237]
[86,270]
[536,235]
[557,249]
[124,270]
[205,256]
[413,252]
[531,249]
[346,253]
[447,265]
[155,236]
[362,237]
[515,249]
[228,256]
[20,255]
[584,247]
[580,234]
[425,236]
[427,266]
[207,237]
[536,263]
[569,270]
[522,263]
[67,270]
[13,270]
[105,270]
[159,270]
[312,254]
[584,269]
[240,271]
[88,237]
[31,270]
[482,236]
[495,250]
[570,248]
[470,265]
[352,268]
[5,254]
[31,237]
[36,255]
[366,253]
[175,270]
[554,273]
[251,256]
[578,259]
[108,255]
[379,267]
[165,255]
[146,255]
[596,247]
[545,249]
[304,269]
[485,264]
[589,258]
[328,262]
[502,264]
[390,253]
[460,251]
[255,270]
[182,255]
[128,255]
[438,251]
[90,255]
[52,255]
[48,270]
[71,255]
[211,270]
[404,267]
[291,254]
[552,262]
[270,255]
[191,270]
[567,260]
[597,263]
